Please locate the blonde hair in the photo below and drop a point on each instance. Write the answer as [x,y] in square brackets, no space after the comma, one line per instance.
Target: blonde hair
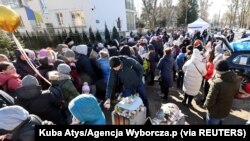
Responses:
[3,58]
[104,54]
[51,55]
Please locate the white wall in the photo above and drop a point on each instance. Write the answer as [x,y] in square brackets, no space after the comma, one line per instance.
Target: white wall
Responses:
[108,11]
[26,22]
[66,7]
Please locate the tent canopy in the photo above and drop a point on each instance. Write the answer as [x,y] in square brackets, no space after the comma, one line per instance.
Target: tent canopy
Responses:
[199,24]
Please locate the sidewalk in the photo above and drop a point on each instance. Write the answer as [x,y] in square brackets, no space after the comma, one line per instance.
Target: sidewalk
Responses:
[239,115]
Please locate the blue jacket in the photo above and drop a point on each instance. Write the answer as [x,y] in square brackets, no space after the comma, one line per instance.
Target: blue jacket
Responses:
[105,68]
[166,66]
[180,60]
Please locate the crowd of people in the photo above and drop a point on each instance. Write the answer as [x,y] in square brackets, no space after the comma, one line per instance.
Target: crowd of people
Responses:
[80,77]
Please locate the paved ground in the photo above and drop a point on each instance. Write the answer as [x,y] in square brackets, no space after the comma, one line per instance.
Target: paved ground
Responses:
[239,115]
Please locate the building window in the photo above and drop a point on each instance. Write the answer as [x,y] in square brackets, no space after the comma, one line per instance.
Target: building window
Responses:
[59,17]
[129,4]
[130,20]
[77,18]
[12,3]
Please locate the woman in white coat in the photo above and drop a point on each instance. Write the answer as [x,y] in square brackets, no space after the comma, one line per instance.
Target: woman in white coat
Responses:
[194,70]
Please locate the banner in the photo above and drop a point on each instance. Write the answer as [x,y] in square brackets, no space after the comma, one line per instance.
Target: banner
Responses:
[82,132]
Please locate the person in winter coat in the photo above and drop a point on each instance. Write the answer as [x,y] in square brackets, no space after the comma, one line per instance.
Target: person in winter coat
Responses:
[221,93]
[86,110]
[130,73]
[41,103]
[19,123]
[61,77]
[210,72]
[166,66]
[180,61]
[9,79]
[194,70]
[152,60]
[84,67]
[21,65]
[104,62]
[44,68]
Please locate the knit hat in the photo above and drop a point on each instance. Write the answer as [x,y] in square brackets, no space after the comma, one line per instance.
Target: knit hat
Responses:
[69,53]
[12,116]
[60,47]
[57,63]
[43,53]
[29,80]
[81,49]
[222,66]
[64,69]
[197,43]
[85,88]
[85,108]
[114,62]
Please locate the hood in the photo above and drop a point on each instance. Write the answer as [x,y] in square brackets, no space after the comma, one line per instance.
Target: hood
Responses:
[4,78]
[196,56]
[44,61]
[28,92]
[86,109]
[56,76]
[81,49]
[228,77]
[12,116]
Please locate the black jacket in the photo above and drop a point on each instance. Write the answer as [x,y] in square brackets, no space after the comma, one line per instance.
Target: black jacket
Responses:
[41,103]
[130,75]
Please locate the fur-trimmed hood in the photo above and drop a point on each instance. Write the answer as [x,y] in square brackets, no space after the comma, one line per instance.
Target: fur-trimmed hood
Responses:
[56,76]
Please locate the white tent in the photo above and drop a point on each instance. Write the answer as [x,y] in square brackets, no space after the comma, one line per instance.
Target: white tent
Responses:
[199,24]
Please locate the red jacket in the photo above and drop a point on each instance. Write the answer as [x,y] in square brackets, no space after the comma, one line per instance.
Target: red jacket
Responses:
[10,83]
[210,70]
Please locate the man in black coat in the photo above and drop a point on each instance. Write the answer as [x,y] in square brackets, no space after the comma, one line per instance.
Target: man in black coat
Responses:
[130,73]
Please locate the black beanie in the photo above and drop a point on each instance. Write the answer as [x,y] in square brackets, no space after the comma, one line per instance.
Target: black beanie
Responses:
[114,62]
[222,66]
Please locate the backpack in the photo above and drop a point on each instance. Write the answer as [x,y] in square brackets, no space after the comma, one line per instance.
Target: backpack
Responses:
[56,90]
[5,99]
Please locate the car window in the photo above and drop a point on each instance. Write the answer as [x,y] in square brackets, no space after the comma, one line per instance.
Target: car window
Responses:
[243,59]
[241,46]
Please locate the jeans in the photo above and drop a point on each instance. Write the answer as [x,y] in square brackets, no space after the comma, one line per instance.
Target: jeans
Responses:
[141,90]
[212,121]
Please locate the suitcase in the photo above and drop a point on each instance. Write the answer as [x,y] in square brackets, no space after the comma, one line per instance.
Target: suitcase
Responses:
[138,119]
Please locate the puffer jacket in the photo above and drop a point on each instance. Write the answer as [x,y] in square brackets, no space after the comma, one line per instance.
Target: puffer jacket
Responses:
[10,83]
[194,70]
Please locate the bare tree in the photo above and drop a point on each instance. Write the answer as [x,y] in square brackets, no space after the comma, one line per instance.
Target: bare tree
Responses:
[150,9]
[204,5]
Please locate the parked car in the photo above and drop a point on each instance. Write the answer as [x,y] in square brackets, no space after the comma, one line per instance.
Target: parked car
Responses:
[239,58]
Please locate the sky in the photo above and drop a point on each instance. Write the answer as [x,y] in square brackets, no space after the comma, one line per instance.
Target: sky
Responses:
[217,6]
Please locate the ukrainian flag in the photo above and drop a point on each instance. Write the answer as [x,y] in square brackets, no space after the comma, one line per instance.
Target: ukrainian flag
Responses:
[31,14]
[38,17]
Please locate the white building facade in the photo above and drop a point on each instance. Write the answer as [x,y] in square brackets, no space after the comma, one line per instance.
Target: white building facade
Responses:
[80,14]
